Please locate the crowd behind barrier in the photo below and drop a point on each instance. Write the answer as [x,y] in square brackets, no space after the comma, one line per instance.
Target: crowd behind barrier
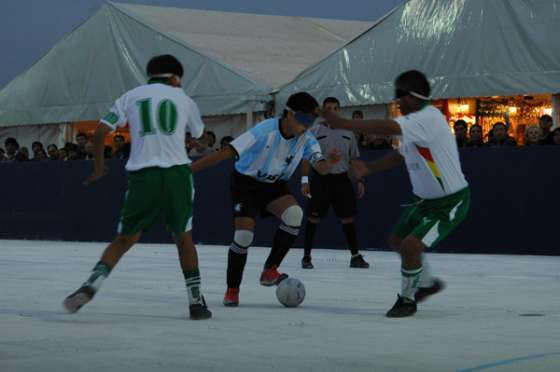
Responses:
[514,208]
[473,137]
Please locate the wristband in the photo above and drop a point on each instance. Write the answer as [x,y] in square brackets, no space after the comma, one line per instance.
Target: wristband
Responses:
[304,180]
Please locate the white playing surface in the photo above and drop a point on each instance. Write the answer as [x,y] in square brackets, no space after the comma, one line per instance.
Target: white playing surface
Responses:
[137,322]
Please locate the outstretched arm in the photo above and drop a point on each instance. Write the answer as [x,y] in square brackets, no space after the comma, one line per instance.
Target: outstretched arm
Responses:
[375,126]
[213,159]
[389,161]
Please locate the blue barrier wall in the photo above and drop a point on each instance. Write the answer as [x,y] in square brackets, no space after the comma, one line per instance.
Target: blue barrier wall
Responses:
[515,204]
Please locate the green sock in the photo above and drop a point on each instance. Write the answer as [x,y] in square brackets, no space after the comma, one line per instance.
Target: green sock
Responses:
[192,281]
[99,273]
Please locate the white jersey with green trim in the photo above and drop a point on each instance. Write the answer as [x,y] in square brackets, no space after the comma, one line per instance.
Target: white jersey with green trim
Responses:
[431,155]
[158,116]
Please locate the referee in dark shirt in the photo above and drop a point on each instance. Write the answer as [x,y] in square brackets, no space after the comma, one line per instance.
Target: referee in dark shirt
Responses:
[334,189]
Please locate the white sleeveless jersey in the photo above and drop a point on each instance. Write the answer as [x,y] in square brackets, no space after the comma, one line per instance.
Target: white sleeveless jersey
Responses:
[430,152]
[158,116]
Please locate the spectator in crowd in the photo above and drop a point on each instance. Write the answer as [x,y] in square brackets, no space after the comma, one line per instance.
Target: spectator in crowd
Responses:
[119,148]
[360,137]
[88,151]
[73,153]
[460,129]
[556,136]
[12,147]
[211,139]
[532,135]
[22,154]
[52,151]
[500,137]
[225,141]
[2,154]
[36,146]
[545,123]
[40,155]
[475,136]
[81,142]
[62,154]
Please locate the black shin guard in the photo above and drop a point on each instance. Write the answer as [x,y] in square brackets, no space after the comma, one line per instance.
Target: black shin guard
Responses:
[351,238]
[236,265]
[310,229]
[283,240]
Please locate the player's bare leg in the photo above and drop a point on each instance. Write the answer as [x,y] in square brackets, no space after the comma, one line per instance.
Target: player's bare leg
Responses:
[349,229]
[188,258]
[429,284]
[290,215]
[237,258]
[109,259]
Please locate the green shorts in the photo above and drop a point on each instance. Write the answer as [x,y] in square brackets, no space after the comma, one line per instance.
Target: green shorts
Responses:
[431,220]
[154,190]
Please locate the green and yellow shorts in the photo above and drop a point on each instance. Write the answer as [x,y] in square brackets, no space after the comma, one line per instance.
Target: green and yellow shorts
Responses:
[152,191]
[431,220]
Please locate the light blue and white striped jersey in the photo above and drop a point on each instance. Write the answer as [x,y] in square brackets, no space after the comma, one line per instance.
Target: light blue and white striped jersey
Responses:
[267,156]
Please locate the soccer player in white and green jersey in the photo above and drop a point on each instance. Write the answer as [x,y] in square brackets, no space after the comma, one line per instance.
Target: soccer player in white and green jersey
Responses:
[441,193]
[159,175]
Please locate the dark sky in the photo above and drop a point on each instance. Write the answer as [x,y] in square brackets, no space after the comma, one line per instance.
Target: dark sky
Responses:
[29,28]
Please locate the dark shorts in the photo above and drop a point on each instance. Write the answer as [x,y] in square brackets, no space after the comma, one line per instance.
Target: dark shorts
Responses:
[335,190]
[250,197]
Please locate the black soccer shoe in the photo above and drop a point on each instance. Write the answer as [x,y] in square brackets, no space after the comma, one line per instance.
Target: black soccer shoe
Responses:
[199,311]
[422,293]
[359,262]
[306,262]
[402,308]
[76,300]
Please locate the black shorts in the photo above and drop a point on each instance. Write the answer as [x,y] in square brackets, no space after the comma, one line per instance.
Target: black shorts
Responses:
[250,196]
[335,190]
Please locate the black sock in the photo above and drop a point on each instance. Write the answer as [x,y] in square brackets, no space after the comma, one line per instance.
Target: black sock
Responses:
[236,265]
[350,233]
[283,239]
[310,229]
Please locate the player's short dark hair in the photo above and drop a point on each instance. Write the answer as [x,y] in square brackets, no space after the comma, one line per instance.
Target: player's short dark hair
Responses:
[358,113]
[164,64]
[498,124]
[331,100]
[460,123]
[302,102]
[413,81]
[545,118]
[12,141]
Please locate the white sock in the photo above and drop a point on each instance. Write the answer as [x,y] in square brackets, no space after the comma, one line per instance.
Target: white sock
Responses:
[427,279]
[410,282]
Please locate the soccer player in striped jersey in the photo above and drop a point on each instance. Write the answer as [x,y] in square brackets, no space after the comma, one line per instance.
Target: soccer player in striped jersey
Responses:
[441,192]
[266,157]
[159,176]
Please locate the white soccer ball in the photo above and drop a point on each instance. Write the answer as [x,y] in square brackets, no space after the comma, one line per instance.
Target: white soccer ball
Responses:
[290,292]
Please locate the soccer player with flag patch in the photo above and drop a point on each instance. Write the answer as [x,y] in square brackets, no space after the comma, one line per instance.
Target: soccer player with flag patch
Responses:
[159,176]
[441,193]
[266,157]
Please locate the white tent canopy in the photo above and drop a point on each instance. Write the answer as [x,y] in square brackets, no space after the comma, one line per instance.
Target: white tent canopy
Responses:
[232,61]
[467,48]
